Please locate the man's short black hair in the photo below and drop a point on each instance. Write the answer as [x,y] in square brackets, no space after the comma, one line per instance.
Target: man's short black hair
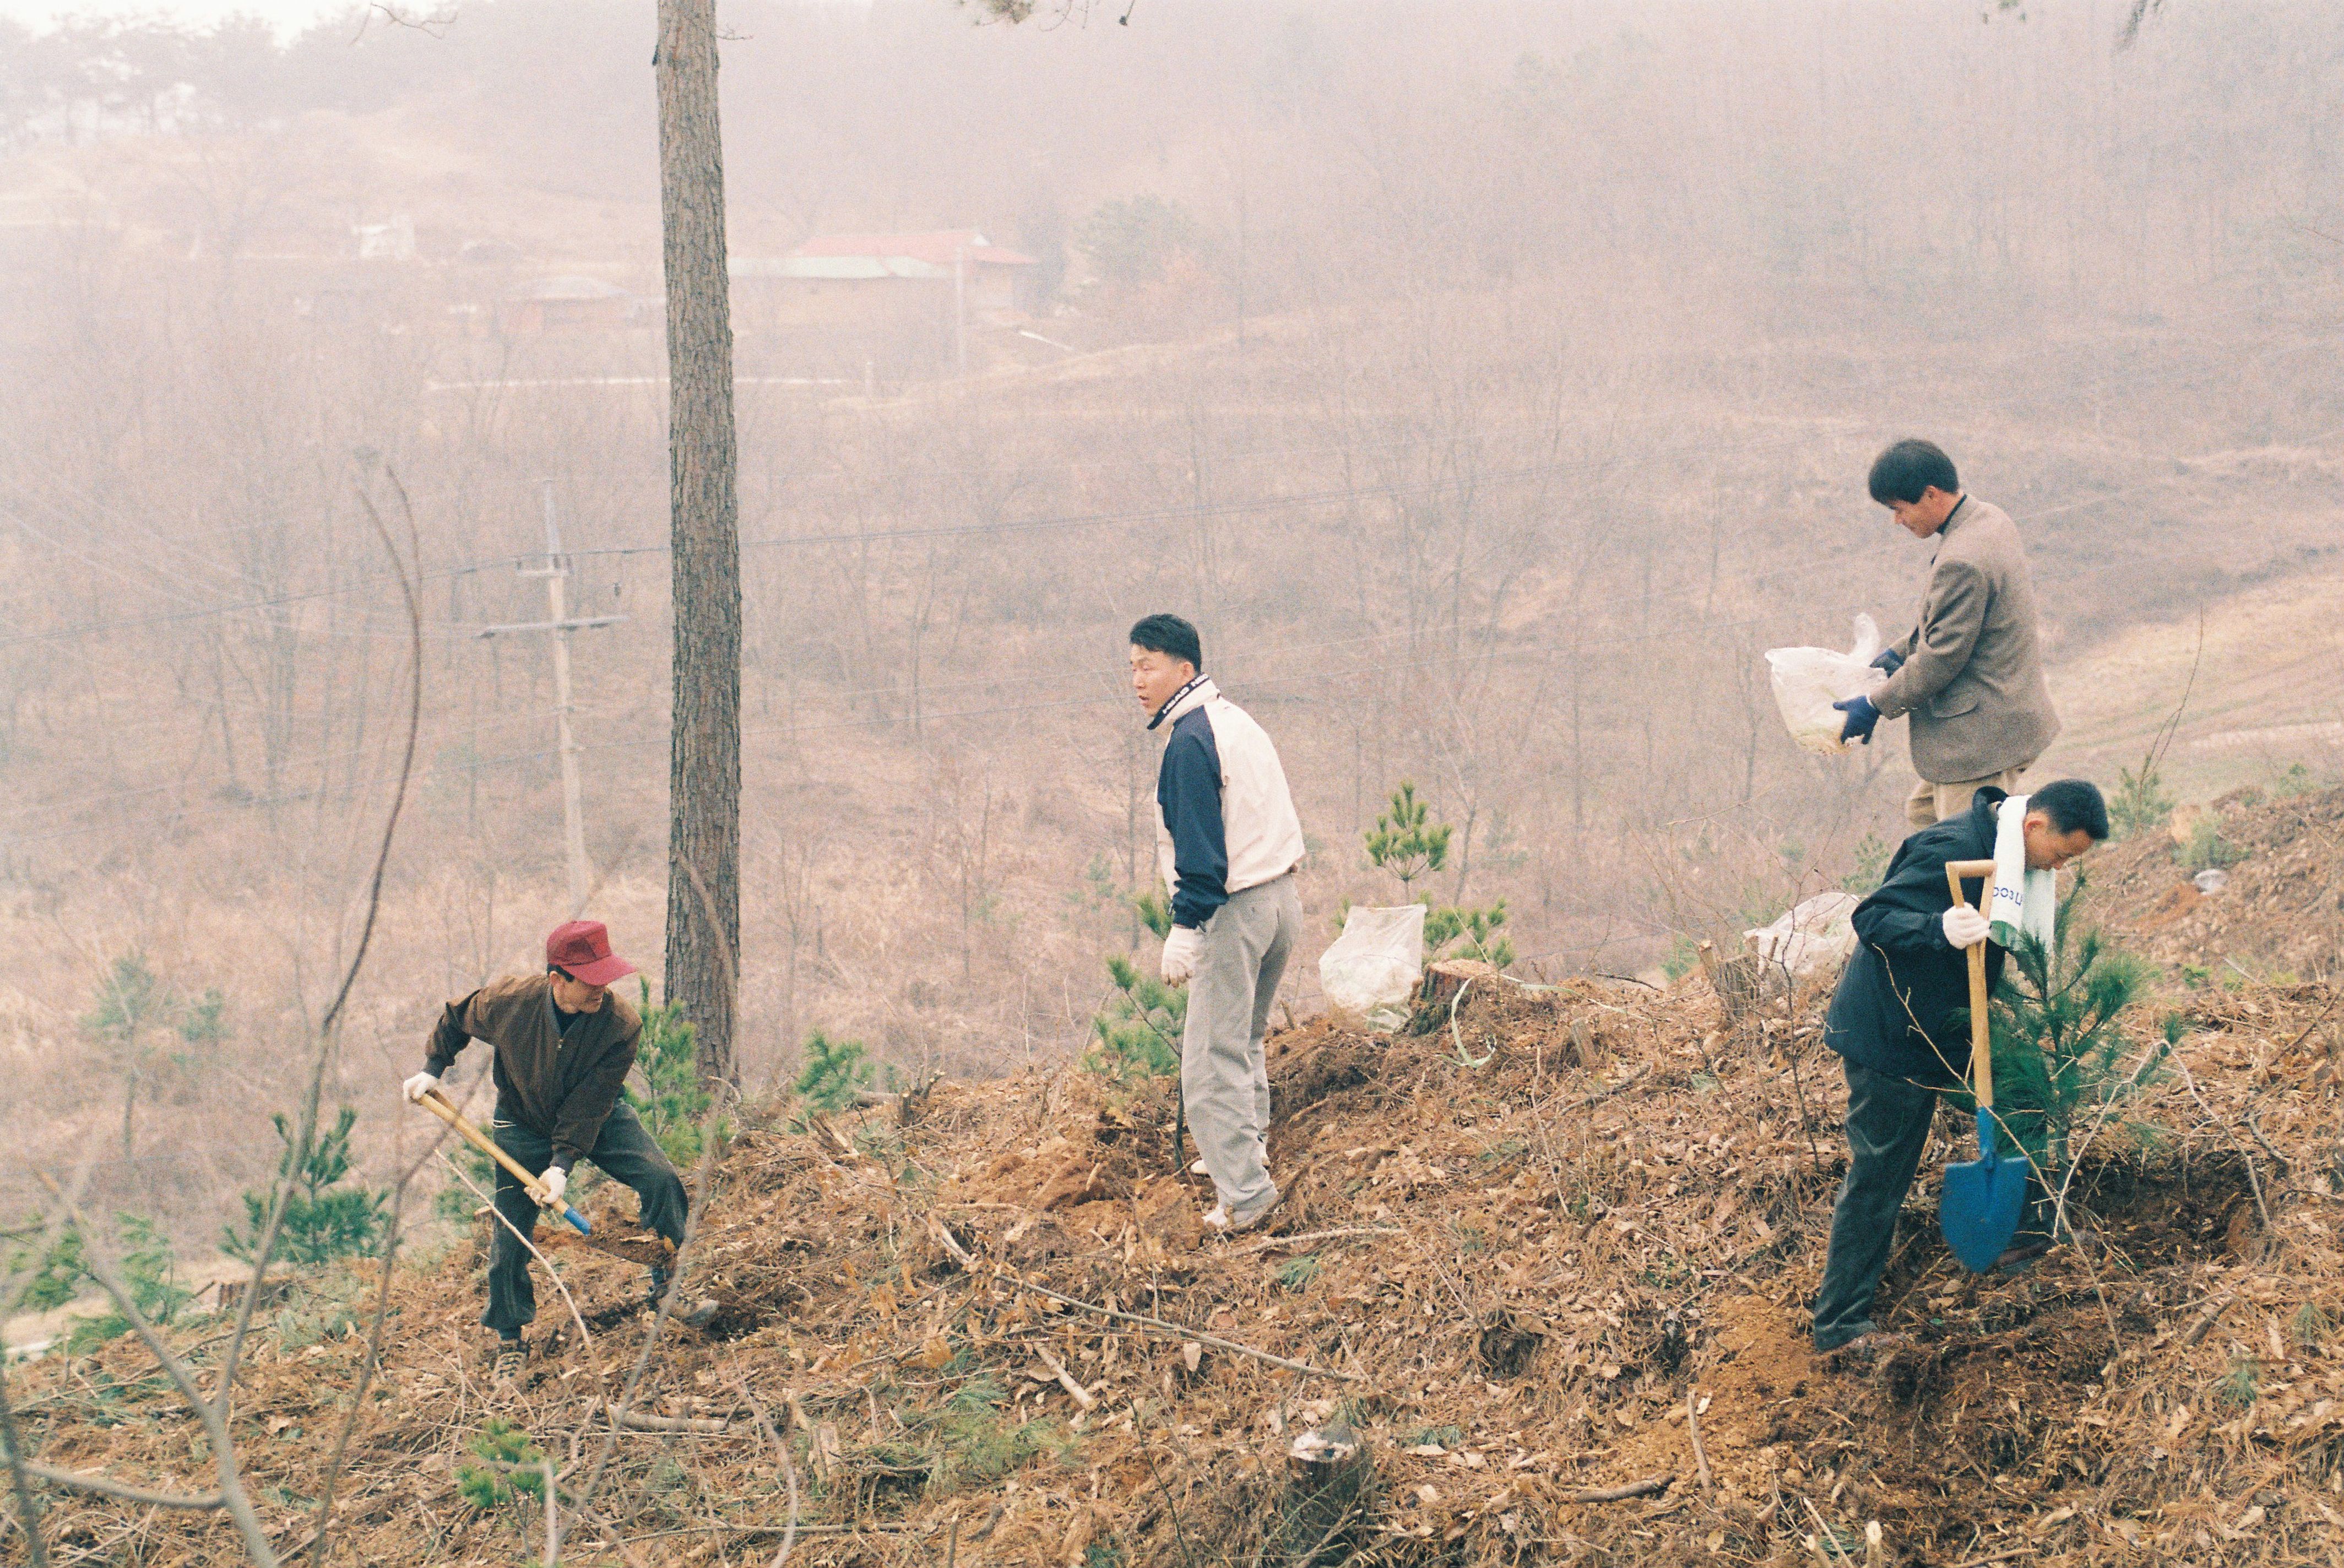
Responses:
[2072,804]
[1910,467]
[1169,634]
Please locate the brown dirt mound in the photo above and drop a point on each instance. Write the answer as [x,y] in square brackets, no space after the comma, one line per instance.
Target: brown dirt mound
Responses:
[2280,915]
[1513,1252]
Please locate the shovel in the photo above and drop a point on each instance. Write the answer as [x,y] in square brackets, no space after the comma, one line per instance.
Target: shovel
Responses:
[437,1105]
[1982,1197]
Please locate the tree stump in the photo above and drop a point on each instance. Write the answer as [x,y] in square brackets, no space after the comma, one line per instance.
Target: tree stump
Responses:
[1444,979]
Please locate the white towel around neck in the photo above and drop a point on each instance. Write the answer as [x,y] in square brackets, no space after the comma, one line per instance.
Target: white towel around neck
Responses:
[2023,902]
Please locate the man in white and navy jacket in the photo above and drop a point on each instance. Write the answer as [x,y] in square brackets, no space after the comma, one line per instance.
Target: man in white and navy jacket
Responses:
[1228,841]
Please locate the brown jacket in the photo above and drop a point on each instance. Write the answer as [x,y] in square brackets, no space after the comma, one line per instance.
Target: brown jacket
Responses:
[1972,674]
[559,1089]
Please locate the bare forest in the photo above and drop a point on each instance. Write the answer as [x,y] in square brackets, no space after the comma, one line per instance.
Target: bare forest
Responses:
[1493,384]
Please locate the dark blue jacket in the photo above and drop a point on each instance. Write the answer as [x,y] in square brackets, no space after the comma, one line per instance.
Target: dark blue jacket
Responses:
[1189,795]
[1892,1010]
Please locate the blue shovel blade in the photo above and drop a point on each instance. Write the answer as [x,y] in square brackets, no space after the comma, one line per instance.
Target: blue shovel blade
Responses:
[1982,1202]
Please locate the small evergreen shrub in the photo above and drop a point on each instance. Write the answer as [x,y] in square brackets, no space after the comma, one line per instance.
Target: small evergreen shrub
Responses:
[324,1219]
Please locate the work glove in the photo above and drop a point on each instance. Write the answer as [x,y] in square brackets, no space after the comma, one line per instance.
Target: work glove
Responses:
[1965,926]
[1861,718]
[555,1180]
[1889,662]
[1181,953]
[422,1084]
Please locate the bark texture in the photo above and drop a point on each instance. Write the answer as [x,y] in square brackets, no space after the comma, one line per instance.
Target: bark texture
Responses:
[703,911]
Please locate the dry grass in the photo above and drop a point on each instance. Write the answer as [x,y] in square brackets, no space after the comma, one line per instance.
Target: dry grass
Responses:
[1528,1268]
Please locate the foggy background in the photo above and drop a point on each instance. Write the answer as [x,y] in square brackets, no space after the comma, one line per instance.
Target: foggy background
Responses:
[1492,383]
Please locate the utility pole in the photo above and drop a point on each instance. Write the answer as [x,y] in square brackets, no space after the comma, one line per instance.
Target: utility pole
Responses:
[960,309]
[559,626]
[703,838]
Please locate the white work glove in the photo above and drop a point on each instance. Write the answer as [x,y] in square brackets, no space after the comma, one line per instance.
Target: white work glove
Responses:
[415,1087]
[1181,953]
[556,1182]
[1965,926]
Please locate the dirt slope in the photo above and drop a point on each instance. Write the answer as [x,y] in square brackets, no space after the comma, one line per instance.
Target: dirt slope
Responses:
[1514,1246]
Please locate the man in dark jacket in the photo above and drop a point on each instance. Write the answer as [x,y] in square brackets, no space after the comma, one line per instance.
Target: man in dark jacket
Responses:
[563,1044]
[1892,1019]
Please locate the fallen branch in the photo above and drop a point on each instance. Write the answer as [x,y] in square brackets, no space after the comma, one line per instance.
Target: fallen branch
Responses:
[1645,1488]
[636,1421]
[1076,1391]
[961,1255]
[77,1481]
[766,1426]
[2206,1321]
[1275,1242]
[1693,1429]
[1824,1532]
[2253,1181]
[1601,1094]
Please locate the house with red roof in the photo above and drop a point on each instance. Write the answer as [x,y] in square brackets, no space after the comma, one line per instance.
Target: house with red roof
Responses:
[849,270]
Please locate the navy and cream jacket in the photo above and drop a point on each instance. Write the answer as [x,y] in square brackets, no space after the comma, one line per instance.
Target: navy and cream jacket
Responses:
[1224,819]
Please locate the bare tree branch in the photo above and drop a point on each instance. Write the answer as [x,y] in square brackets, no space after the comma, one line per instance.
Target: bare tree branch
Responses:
[213,1415]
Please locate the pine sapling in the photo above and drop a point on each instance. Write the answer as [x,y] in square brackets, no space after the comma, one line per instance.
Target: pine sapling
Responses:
[2059,1048]
[324,1219]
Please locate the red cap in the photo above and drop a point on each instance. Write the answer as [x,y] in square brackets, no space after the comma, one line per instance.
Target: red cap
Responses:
[581,950]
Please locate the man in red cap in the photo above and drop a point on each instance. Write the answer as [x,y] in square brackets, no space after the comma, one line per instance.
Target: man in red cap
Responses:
[563,1045]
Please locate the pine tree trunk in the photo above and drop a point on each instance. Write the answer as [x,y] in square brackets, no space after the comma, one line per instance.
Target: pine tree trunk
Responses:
[703,914]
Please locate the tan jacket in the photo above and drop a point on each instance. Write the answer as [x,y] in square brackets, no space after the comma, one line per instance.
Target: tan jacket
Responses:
[559,1089]
[1973,675]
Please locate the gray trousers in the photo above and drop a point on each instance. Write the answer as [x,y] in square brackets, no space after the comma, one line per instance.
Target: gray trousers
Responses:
[1224,1077]
[625,1151]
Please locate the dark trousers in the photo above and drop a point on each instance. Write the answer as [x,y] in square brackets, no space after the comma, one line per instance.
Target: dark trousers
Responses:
[625,1152]
[1887,1130]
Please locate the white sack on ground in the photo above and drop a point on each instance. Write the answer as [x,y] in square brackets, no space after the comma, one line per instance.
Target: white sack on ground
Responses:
[1377,960]
[1815,935]
[1808,681]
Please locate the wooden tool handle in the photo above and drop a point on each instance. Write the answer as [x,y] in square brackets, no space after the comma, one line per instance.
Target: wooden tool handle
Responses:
[1981,1036]
[437,1105]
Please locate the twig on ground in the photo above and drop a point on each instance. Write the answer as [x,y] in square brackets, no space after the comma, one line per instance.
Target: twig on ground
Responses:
[1645,1488]
[789,1465]
[637,1420]
[2253,1181]
[1692,1431]
[77,1481]
[1075,1390]
[1823,1531]
[2206,1321]
[961,1255]
[1274,1242]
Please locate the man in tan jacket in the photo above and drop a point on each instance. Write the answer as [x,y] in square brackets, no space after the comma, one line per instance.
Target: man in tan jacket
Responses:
[1970,675]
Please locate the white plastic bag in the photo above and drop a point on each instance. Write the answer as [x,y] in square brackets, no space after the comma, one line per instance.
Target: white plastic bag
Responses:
[1377,960]
[1815,935]
[1808,681]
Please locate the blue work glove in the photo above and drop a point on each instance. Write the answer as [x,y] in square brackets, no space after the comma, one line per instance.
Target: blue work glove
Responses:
[1889,662]
[1861,718]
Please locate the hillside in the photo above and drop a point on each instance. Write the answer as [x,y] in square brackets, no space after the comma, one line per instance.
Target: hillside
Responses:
[1518,1244]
